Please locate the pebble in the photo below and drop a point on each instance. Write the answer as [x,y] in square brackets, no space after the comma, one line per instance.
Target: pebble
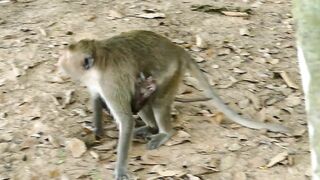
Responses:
[3,147]
[234,147]
[6,137]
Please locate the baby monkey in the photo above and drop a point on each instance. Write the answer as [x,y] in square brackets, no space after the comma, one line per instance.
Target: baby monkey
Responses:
[109,68]
[144,88]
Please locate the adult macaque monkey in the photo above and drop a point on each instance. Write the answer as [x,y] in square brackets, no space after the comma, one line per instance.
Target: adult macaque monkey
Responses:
[109,69]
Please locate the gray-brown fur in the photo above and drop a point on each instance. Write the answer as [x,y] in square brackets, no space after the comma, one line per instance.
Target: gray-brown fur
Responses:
[117,63]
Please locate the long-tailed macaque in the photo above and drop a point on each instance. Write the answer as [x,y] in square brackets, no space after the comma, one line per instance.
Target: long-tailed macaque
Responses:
[109,68]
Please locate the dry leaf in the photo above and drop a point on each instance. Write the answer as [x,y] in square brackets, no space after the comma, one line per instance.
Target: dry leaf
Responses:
[262,115]
[80,112]
[206,113]
[201,169]
[224,51]
[272,100]
[33,113]
[191,81]
[278,158]
[162,171]
[239,176]
[110,145]
[308,172]
[91,18]
[137,169]
[63,99]
[254,99]
[273,61]
[227,162]
[299,131]
[54,79]
[179,138]
[205,149]
[115,14]
[154,177]
[94,154]
[27,143]
[68,98]
[55,140]
[235,14]
[200,42]
[288,80]
[195,49]
[293,100]
[226,85]
[210,169]
[150,159]
[16,72]
[4,147]
[244,103]
[178,41]
[218,118]
[240,71]
[9,36]
[199,59]
[215,66]
[260,60]
[220,8]
[6,1]
[244,31]
[76,146]
[290,161]
[39,128]
[236,135]
[112,134]
[55,173]
[192,177]
[257,161]
[2,82]
[151,15]
[43,32]
[234,147]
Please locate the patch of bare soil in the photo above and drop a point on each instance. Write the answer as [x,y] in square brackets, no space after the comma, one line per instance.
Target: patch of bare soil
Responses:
[246,48]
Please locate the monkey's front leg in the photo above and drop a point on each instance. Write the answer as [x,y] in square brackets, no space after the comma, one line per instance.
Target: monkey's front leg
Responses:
[97,116]
[126,125]
[121,111]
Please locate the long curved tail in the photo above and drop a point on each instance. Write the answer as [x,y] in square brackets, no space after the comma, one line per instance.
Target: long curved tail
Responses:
[221,106]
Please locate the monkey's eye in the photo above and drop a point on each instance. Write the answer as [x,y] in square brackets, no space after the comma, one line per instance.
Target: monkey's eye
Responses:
[87,63]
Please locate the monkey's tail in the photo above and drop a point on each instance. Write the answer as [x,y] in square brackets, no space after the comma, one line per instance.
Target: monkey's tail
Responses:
[222,107]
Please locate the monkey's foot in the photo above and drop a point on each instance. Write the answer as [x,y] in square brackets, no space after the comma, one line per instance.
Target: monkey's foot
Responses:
[124,177]
[144,132]
[98,132]
[158,139]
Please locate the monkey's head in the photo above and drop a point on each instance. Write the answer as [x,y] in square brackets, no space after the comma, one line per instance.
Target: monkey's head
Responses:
[77,59]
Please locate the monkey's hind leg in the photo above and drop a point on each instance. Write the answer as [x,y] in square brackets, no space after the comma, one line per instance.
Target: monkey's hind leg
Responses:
[148,118]
[162,111]
[162,114]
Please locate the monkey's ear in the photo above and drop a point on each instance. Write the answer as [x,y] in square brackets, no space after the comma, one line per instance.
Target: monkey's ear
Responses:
[88,62]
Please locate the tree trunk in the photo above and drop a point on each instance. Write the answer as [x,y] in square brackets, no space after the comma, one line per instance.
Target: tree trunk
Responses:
[307,14]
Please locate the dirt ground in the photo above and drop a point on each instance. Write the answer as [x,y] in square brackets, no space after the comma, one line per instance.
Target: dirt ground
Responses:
[247,49]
